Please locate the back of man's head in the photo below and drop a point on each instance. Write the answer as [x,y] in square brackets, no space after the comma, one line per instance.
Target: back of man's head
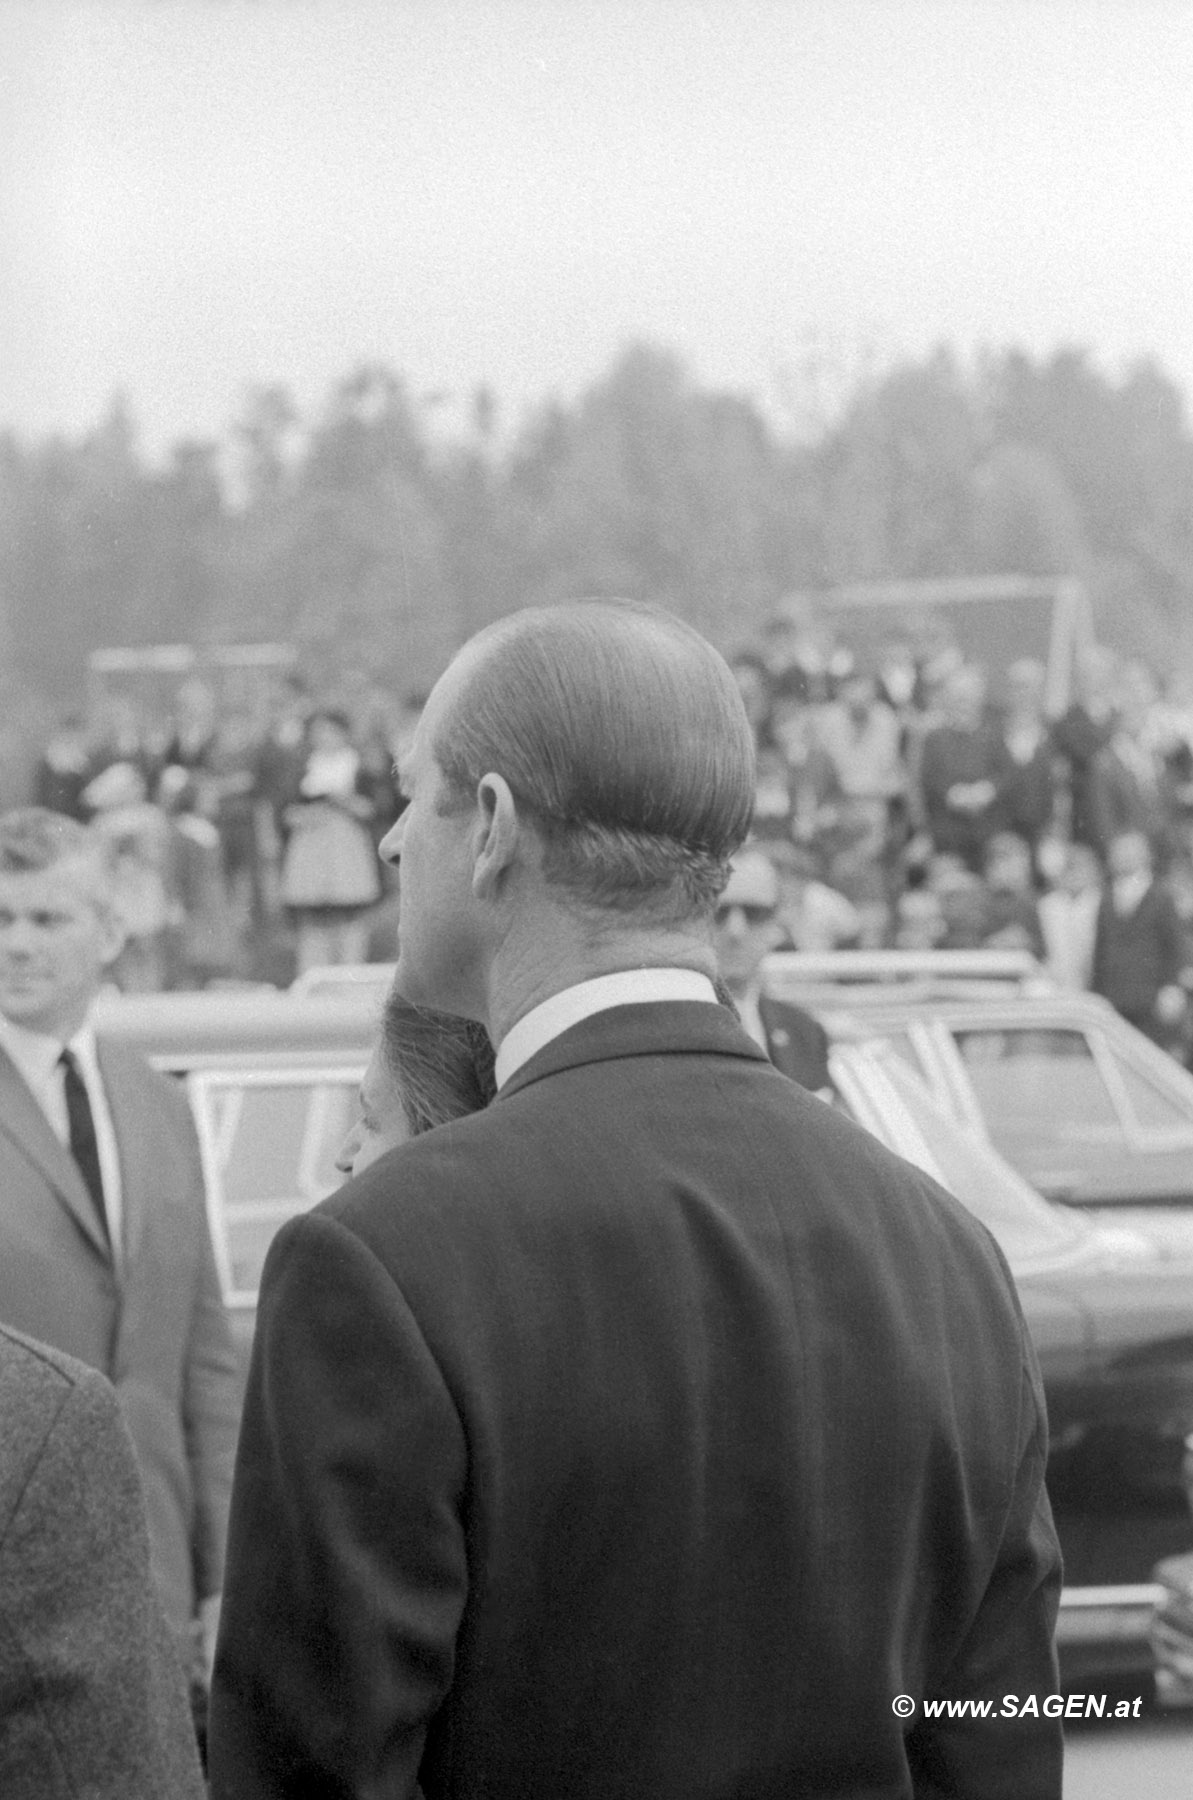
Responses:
[623,734]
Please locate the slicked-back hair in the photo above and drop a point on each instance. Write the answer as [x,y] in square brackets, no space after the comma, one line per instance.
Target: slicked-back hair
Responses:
[33,838]
[624,734]
[442,1066]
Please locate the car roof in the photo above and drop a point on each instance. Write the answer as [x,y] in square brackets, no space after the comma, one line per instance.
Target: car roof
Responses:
[195,1030]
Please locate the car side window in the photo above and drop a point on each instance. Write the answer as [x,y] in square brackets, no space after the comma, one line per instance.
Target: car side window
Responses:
[269,1141]
[1045,1102]
[1153,1108]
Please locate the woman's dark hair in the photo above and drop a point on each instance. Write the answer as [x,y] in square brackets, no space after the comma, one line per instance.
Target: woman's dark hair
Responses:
[442,1065]
[622,732]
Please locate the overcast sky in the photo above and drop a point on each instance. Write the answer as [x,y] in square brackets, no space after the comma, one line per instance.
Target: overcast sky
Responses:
[196,195]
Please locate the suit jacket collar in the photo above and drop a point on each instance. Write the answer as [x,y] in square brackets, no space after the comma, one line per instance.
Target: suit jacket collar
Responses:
[26,1124]
[652,1028]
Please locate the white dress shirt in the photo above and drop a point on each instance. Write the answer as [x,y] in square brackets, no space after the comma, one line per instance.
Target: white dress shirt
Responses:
[35,1058]
[627,987]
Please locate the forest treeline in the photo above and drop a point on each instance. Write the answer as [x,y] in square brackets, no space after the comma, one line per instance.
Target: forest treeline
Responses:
[367,540]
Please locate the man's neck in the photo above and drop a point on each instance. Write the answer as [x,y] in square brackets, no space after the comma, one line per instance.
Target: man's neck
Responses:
[546,955]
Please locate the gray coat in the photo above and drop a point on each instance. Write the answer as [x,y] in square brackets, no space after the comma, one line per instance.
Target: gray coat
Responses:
[92,1699]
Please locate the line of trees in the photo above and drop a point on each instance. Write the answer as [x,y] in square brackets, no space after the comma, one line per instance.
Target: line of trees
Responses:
[365,538]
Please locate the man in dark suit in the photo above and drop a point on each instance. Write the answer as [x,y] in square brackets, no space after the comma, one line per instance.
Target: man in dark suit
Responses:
[747,927]
[1140,952]
[652,1431]
[105,1251]
[92,1699]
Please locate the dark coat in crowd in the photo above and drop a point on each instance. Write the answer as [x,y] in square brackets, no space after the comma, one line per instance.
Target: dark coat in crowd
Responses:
[1027,798]
[1138,953]
[644,1434]
[1131,792]
[953,755]
[92,1698]
[1079,739]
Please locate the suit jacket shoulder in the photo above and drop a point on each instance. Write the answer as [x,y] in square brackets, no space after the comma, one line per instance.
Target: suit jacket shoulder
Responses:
[797,1043]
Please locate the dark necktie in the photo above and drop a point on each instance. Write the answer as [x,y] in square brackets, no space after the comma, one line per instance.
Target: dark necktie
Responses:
[83,1145]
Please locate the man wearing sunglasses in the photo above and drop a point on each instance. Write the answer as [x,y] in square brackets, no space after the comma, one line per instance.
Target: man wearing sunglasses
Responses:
[746,926]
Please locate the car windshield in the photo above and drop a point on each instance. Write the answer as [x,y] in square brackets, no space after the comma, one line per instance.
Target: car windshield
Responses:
[1028,1229]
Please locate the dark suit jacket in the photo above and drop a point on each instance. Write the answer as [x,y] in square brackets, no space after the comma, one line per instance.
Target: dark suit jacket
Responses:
[154,1324]
[645,1434]
[92,1699]
[1138,953]
[951,755]
[796,1043]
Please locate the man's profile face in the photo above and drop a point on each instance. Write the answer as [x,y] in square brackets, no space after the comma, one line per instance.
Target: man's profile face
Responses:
[430,846]
[57,936]
[745,923]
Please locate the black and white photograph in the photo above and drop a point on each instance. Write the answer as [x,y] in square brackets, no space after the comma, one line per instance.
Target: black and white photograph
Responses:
[596,899]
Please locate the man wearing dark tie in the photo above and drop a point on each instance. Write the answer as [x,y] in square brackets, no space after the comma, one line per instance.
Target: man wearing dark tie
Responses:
[104,1246]
[652,1431]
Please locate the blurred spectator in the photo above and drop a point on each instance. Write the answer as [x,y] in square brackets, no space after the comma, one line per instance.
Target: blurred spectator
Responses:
[938,658]
[961,898]
[376,738]
[202,941]
[793,765]
[963,768]
[118,735]
[813,915]
[1139,945]
[898,679]
[226,794]
[859,734]
[802,652]
[753,681]
[64,769]
[331,875]
[1130,790]
[1069,917]
[1012,918]
[1080,736]
[193,739]
[279,764]
[137,834]
[919,923]
[746,927]
[1029,789]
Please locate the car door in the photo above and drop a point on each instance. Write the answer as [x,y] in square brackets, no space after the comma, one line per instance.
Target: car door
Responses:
[268,1138]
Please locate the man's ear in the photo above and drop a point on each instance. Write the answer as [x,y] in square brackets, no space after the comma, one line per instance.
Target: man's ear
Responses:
[497,832]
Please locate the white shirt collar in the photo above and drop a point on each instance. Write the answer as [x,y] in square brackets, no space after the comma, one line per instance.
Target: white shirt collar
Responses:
[36,1055]
[626,987]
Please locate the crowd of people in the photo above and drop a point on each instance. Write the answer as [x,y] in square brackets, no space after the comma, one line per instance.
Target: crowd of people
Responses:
[905,799]
[909,801]
[244,840]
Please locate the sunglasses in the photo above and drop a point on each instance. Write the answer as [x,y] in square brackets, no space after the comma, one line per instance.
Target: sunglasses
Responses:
[751,911]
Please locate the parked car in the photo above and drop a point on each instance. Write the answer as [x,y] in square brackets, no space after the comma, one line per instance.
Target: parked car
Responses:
[272,1079]
[1086,1107]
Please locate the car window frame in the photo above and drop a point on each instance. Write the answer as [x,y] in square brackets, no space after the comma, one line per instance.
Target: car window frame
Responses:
[200,1084]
